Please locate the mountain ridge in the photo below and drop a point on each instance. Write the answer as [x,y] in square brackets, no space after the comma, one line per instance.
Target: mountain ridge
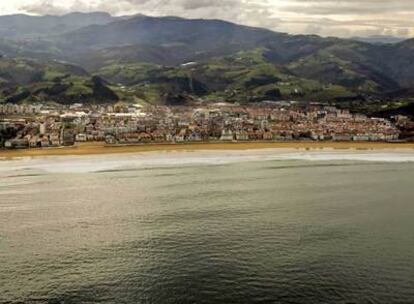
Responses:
[320,68]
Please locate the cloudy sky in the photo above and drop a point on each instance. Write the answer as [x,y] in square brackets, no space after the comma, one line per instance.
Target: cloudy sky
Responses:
[324,17]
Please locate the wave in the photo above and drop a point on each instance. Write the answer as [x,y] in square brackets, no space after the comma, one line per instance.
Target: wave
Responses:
[130,162]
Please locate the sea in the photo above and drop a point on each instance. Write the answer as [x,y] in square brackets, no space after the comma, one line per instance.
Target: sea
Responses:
[258,226]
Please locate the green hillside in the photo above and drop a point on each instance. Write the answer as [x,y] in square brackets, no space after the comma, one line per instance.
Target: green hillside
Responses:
[244,77]
[28,80]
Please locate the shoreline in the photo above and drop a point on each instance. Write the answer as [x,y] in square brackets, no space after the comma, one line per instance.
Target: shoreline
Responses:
[99,148]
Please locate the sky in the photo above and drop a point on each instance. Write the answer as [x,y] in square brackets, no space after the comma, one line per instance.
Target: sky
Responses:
[343,18]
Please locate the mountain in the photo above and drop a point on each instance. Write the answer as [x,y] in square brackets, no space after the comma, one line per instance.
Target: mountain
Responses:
[164,31]
[379,39]
[175,60]
[162,40]
[18,27]
[173,41]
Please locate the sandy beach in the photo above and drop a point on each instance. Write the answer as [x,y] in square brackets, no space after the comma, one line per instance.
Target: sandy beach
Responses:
[98,148]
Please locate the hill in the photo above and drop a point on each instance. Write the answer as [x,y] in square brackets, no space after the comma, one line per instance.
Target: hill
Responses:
[246,76]
[28,80]
[176,60]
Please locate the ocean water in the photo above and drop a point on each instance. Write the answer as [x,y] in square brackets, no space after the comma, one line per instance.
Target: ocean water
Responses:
[208,227]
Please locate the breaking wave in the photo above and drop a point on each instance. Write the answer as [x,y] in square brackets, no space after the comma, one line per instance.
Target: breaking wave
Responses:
[125,162]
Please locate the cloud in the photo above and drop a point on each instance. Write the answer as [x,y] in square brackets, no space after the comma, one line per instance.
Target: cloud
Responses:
[350,17]
[367,7]
[47,7]
[324,17]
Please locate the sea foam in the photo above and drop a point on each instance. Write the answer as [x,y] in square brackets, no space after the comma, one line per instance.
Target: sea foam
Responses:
[97,163]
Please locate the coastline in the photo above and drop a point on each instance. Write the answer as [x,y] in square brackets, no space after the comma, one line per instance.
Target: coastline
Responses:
[99,148]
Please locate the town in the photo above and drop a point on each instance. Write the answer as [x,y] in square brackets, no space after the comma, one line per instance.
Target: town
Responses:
[40,125]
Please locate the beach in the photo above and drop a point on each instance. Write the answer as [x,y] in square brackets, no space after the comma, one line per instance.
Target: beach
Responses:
[99,148]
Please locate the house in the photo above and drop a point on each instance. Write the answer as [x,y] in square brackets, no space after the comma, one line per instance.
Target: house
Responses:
[259,135]
[169,137]
[226,135]
[68,137]
[341,137]
[110,140]
[180,137]
[282,136]
[144,137]
[374,137]
[81,137]
[54,140]
[8,144]
[44,142]
[360,137]
[242,135]
[267,135]
[317,135]
[34,142]
[158,136]
[194,136]
[19,143]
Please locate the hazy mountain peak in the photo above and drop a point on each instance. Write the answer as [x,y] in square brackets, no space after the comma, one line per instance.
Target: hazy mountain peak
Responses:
[379,39]
[26,26]
[88,14]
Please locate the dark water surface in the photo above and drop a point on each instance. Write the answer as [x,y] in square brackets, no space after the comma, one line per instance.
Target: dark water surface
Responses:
[250,232]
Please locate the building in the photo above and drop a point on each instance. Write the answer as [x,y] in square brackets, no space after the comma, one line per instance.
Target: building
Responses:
[226,135]
[68,137]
